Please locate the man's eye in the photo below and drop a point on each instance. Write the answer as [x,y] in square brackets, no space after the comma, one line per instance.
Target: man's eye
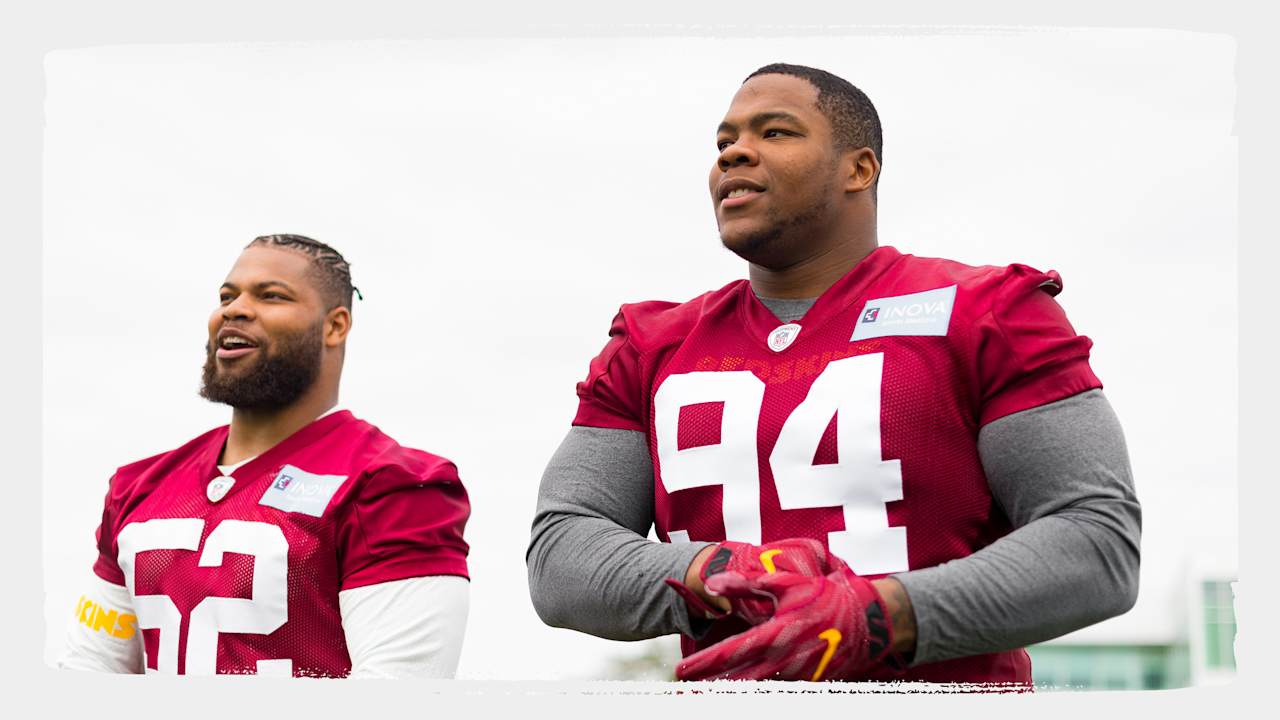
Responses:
[722,144]
[224,299]
[273,296]
[774,132]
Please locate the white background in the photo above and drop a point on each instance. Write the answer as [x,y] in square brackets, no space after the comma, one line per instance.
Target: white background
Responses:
[498,199]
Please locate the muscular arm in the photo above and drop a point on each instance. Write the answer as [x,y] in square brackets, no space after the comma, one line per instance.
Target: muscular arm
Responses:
[1060,472]
[103,636]
[591,566]
[410,628]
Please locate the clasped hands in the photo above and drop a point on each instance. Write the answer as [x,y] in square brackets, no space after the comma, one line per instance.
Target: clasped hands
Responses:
[812,617]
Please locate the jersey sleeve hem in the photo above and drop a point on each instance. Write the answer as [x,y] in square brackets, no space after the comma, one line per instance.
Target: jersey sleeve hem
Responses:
[587,417]
[1073,379]
[405,568]
[110,573]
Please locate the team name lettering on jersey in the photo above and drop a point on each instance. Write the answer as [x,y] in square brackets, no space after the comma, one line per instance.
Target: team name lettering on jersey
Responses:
[109,620]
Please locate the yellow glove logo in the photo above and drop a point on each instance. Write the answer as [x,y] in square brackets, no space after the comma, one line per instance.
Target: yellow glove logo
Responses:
[833,638]
[766,559]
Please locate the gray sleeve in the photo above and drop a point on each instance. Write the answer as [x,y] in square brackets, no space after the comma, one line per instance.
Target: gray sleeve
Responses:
[1061,474]
[591,566]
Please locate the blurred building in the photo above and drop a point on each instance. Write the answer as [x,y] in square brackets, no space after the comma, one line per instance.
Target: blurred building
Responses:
[1178,638]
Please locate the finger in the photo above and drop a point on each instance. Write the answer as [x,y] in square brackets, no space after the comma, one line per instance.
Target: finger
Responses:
[778,665]
[788,590]
[723,658]
[805,556]
[730,584]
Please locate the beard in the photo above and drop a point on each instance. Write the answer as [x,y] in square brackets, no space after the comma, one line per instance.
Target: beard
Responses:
[775,245]
[276,379]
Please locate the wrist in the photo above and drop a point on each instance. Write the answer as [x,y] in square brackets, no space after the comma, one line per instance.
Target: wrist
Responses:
[693,579]
[902,617]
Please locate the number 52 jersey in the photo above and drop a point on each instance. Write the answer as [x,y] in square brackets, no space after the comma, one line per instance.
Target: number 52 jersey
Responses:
[856,425]
[243,577]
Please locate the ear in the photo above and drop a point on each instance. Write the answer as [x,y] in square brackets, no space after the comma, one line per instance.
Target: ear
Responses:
[337,323]
[863,168]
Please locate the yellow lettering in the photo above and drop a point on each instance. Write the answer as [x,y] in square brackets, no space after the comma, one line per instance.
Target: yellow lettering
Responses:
[128,625]
[104,620]
[86,612]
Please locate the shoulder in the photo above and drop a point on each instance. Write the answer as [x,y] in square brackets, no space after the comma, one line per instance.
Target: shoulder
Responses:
[382,454]
[979,289]
[136,471]
[131,483]
[655,323]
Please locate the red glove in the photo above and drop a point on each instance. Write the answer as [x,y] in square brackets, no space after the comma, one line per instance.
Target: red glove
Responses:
[828,628]
[802,556]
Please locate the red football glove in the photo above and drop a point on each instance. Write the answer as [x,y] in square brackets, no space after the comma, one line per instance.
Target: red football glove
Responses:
[834,627]
[802,556]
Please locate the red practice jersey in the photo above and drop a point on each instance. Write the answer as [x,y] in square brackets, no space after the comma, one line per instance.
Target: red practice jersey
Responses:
[856,425]
[247,581]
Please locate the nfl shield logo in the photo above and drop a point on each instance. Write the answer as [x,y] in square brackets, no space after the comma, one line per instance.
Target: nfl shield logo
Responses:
[782,337]
[219,487]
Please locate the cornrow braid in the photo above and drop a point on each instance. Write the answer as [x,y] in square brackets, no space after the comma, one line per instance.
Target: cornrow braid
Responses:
[332,270]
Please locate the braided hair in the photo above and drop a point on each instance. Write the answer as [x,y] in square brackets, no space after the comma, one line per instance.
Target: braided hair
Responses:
[331,270]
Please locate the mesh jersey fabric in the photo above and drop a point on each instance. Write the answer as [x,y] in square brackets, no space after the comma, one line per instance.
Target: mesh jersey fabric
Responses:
[238,586]
[867,445]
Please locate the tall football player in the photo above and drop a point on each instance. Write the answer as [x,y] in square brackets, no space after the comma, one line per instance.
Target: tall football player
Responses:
[298,540]
[863,464]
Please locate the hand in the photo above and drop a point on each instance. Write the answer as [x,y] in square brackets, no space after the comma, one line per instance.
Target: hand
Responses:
[802,556]
[830,627]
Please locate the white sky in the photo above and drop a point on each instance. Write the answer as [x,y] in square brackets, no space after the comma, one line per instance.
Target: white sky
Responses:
[499,199]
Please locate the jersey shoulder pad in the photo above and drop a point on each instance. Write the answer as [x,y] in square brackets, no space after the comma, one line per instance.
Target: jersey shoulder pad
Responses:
[656,323]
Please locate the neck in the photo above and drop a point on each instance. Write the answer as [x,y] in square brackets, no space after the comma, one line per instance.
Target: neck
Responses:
[811,276]
[253,432]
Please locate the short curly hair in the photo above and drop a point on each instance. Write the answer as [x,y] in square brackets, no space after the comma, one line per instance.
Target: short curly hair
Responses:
[332,271]
[854,120]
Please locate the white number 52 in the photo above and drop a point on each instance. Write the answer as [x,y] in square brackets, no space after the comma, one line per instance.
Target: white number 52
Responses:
[262,613]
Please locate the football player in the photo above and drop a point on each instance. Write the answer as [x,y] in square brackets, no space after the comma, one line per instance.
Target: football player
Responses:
[862,464]
[298,540]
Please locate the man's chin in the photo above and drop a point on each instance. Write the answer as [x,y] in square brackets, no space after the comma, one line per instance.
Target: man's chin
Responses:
[755,245]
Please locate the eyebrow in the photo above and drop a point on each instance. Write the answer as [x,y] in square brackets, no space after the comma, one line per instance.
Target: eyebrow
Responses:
[261,286]
[761,119]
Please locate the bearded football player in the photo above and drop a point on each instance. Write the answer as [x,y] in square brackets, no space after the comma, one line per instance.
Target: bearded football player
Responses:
[862,464]
[296,541]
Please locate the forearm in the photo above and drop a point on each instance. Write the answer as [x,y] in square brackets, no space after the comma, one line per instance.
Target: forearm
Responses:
[410,628]
[591,568]
[1032,585]
[104,634]
[1061,473]
[589,574]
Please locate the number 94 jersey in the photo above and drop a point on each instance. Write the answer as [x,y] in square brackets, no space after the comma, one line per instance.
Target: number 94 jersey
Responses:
[856,425]
[243,577]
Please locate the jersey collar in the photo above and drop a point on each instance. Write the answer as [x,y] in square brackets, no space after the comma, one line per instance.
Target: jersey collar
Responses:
[273,457]
[760,321]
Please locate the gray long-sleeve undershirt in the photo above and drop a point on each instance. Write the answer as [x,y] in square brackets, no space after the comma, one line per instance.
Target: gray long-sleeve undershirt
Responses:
[1060,472]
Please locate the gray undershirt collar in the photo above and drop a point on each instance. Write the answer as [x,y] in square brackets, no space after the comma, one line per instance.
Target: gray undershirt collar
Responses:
[787,309]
